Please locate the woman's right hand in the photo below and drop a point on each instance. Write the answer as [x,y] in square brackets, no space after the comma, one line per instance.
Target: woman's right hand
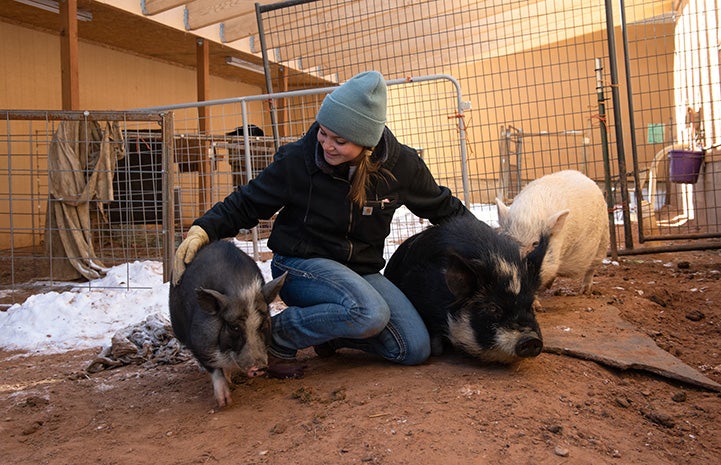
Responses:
[196,238]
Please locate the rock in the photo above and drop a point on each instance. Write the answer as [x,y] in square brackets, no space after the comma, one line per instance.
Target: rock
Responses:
[555,429]
[278,428]
[695,315]
[658,300]
[622,402]
[679,396]
[560,451]
[660,418]
[36,425]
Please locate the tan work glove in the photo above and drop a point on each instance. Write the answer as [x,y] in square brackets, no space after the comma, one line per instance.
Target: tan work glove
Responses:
[196,238]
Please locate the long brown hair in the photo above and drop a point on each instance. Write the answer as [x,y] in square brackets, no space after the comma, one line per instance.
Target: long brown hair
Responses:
[367,169]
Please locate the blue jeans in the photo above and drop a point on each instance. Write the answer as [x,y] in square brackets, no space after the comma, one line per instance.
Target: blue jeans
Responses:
[328,302]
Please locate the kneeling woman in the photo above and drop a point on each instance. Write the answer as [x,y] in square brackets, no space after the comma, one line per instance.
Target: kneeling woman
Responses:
[335,191]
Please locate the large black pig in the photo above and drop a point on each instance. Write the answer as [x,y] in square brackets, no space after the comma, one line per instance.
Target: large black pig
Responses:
[219,310]
[472,289]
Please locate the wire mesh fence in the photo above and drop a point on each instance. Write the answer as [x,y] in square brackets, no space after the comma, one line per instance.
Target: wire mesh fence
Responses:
[88,193]
[81,192]
[244,133]
[522,65]
[528,71]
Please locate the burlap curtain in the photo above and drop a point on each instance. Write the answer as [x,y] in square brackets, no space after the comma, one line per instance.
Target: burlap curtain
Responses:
[81,161]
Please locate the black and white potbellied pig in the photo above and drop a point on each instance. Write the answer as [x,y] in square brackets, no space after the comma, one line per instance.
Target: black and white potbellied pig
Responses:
[219,310]
[472,289]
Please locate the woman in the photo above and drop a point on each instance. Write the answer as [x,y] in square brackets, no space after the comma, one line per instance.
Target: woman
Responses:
[337,189]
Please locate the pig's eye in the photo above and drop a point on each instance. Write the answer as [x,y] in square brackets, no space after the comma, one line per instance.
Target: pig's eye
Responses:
[234,328]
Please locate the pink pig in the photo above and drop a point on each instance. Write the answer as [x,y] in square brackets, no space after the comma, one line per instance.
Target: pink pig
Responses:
[571,208]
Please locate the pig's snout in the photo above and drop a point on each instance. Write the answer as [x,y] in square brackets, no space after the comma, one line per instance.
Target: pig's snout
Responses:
[529,345]
[254,372]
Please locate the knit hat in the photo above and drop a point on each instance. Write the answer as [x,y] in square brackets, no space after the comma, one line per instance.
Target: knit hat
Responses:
[357,109]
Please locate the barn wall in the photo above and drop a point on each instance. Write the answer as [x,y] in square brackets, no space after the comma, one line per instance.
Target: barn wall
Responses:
[569,102]
[109,79]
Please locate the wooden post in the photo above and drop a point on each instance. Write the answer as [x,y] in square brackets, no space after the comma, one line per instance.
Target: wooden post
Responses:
[69,54]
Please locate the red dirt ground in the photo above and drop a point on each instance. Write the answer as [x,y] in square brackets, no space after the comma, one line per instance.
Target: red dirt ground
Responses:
[355,409]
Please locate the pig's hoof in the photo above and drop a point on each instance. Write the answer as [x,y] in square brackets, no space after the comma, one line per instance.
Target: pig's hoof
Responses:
[223,397]
[536,306]
[283,369]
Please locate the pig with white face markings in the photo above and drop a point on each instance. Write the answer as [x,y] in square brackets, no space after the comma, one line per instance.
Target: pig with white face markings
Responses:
[472,289]
[570,209]
[219,310]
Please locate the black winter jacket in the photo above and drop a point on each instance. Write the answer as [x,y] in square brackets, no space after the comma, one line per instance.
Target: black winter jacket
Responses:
[316,217]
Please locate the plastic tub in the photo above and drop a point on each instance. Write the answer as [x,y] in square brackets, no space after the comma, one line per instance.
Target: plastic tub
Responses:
[685,166]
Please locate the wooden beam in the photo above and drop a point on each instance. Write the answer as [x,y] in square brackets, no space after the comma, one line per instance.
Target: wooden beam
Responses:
[392,38]
[499,34]
[293,32]
[201,13]
[69,55]
[151,7]
[424,15]
[202,62]
[247,24]
[239,28]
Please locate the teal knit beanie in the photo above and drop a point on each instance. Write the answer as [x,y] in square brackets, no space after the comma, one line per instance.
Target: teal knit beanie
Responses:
[356,110]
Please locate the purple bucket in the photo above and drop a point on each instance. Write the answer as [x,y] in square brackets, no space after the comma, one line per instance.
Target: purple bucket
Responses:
[685,166]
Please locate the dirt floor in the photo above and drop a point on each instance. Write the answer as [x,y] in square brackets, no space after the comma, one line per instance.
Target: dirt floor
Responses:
[353,408]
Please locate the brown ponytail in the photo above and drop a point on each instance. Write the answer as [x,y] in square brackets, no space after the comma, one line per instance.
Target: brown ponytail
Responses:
[366,170]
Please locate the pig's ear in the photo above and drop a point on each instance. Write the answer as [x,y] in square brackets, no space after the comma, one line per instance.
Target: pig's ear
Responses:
[502,212]
[535,257]
[556,221]
[210,300]
[460,279]
[270,290]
